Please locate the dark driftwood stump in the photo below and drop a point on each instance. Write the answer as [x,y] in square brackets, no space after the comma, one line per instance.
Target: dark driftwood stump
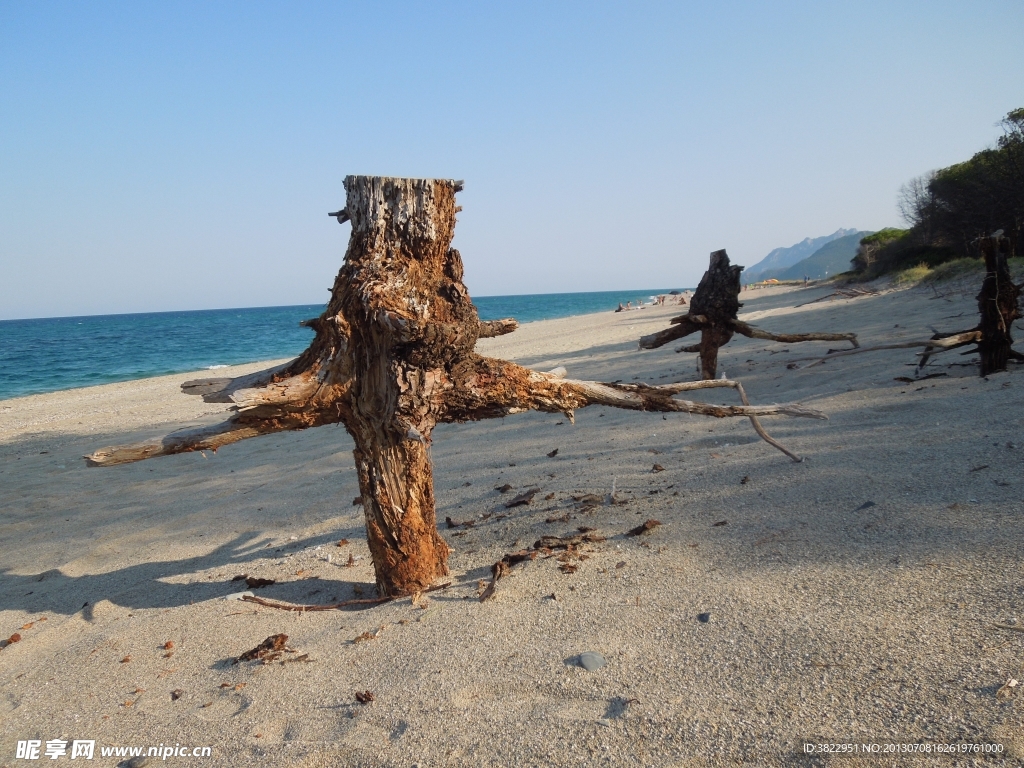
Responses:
[713,310]
[998,305]
[393,356]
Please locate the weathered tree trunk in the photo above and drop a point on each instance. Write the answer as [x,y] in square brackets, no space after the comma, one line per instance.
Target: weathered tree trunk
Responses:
[713,311]
[392,357]
[998,305]
[717,300]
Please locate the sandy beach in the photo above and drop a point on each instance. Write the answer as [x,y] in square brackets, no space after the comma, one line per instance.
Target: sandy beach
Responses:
[853,597]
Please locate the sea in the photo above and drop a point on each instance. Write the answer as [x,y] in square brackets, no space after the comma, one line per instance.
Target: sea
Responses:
[57,353]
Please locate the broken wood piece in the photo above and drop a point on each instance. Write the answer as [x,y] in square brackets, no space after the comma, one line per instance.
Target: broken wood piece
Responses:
[252,582]
[567,542]
[523,498]
[368,635]
[648,525]
[589,500]
[491,328]
[219,390]
[272,647]
[498,571]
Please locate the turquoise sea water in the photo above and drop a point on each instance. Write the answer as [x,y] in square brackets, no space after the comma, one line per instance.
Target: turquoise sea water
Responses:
[50,354]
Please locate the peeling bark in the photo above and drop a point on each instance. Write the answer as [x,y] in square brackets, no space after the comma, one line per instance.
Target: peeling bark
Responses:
[392,357]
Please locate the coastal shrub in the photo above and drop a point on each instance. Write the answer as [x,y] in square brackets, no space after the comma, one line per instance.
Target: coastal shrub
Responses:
[949,210]
[871,246]
[974,269]
[956,268]
[912,276]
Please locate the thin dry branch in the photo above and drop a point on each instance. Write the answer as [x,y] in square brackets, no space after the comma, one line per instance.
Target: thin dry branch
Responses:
[335,606]
[932,346]
[849,293]
[754,332]
[498,387]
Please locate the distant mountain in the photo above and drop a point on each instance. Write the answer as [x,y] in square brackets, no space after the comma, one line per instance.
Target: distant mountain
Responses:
[831,259]
[782,258]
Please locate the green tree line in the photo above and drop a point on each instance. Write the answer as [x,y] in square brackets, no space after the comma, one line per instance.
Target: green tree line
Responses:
[949,210]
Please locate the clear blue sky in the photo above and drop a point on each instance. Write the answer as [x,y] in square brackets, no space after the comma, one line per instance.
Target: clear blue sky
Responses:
[159,156]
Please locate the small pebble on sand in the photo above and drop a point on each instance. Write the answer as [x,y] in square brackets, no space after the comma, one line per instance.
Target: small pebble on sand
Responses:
[591,661]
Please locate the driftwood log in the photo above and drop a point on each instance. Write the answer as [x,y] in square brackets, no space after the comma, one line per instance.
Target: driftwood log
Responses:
[713,310]
[393,356]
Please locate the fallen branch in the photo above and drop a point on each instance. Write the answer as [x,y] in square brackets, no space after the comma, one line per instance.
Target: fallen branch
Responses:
[335,606]
[821,359]
[848,293]
[952,341]
[521,390]
[567,542]
[754,332]
[931,347]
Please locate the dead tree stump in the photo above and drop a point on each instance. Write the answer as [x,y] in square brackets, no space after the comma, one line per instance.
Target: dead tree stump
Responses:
[713,311]
[392,357]
[998,306]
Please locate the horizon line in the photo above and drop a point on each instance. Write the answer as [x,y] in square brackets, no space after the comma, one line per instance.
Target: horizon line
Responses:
[314,304]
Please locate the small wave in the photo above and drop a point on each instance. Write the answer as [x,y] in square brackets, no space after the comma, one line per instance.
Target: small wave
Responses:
[214,367]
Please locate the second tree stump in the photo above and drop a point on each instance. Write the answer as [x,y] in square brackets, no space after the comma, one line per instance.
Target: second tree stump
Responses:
[713,310]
